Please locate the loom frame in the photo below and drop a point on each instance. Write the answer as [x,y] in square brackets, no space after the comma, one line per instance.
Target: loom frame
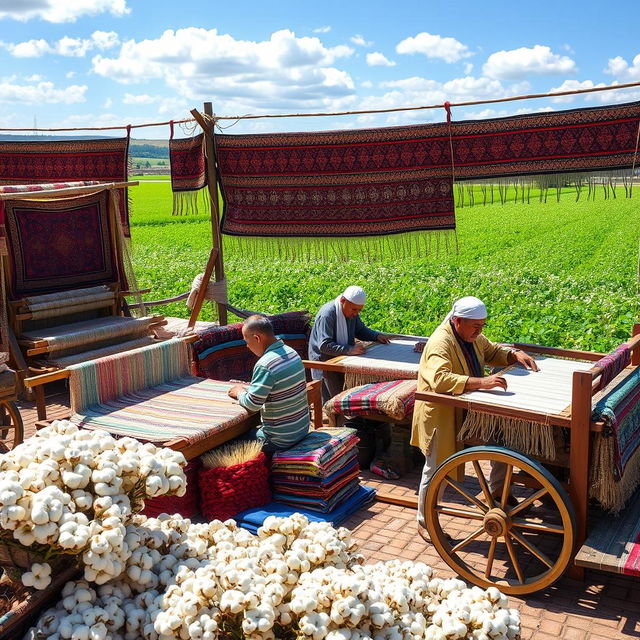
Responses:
[585,384]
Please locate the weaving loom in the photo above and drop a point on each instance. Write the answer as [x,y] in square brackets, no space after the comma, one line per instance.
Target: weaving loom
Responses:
[393,361]
[68,271]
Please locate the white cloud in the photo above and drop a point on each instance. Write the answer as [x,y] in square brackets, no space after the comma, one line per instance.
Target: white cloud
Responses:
[40,92]
[108,103]
[434,46]
[519,63]
[173,106]
[324,29]
[468,68]
[572,85]
[377,59]
[143,98]
[282,72]
[367,84]
[70,74]
[622,70]
[60,10]
[360,41]
[66,46]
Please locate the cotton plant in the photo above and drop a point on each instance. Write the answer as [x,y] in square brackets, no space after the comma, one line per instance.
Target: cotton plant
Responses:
[295,580]
[71,492]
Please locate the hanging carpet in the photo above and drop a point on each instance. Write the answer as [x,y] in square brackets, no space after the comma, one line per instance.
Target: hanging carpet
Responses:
[103,160]
[188,174]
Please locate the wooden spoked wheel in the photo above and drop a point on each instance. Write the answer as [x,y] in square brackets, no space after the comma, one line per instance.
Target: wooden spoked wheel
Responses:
[11,426]
[520,548]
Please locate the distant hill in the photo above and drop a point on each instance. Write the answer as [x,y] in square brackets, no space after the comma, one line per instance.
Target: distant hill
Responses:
[139,148]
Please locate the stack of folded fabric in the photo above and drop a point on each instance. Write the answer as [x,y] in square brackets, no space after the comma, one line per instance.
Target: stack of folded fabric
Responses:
[319,473]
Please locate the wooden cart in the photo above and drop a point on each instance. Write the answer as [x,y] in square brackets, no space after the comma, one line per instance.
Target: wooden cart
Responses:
[536,539]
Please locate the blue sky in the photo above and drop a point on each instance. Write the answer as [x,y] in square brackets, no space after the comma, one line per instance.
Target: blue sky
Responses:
[106,62]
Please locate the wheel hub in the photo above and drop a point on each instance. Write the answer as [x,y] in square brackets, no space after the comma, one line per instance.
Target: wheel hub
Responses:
[496,522]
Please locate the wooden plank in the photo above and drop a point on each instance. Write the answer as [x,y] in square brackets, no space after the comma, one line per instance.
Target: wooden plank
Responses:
[212,185]
[326,365]
[562,353]
[401,501]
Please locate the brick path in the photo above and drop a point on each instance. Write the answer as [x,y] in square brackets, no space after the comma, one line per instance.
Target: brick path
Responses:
[603,607]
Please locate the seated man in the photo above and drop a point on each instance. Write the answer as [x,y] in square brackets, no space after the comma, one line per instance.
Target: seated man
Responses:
[278,387]
[453,362]
[334,333]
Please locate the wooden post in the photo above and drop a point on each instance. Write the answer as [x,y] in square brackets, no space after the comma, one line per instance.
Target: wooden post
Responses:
[579,458]
[202,290]
[212,183]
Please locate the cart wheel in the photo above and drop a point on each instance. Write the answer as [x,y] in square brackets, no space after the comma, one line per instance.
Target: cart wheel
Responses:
[520,548]
[11,426]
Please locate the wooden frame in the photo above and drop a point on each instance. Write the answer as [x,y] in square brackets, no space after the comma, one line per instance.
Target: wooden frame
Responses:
[585,384]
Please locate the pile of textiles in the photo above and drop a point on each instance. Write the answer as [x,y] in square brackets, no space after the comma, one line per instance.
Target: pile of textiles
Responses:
[319,473]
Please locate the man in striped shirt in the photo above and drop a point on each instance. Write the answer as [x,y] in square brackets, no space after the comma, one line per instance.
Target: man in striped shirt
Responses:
[278,387]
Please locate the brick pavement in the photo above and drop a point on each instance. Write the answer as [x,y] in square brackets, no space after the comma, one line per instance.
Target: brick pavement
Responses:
[603,607]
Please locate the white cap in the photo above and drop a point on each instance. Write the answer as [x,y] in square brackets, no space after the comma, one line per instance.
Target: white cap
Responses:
[355,294]
[469,307]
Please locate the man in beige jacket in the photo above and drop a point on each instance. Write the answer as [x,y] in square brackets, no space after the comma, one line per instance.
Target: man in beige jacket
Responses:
[453,362]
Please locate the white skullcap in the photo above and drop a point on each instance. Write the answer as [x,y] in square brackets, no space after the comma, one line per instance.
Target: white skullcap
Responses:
[469,307]
[355,294]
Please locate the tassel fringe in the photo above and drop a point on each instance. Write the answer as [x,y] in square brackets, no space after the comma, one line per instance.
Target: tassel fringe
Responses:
[190,202]
[417,244]
[612,494]
[532,438]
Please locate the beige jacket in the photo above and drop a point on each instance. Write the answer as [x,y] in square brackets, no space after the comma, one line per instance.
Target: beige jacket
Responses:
[444,369]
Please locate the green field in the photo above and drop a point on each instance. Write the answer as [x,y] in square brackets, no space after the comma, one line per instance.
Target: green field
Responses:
[561,273]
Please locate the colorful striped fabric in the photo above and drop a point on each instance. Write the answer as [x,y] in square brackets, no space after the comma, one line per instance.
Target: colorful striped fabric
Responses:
[148,394]
[613,363]
[620,411]
[191,408]
[394,399]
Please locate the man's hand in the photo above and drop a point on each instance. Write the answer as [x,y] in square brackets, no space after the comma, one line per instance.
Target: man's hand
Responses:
[382,337]
[525,360]
[356,350]
[494,382]
[236,390]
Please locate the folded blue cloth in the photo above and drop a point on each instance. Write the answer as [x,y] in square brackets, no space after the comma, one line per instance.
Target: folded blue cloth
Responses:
[251,519]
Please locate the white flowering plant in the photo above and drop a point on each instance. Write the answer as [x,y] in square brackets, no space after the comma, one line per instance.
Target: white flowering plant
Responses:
[295,580]
[68,494]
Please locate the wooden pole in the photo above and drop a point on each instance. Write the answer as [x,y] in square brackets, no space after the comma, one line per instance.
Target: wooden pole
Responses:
[579,458]
[635,356]
[212,183]
[202,290]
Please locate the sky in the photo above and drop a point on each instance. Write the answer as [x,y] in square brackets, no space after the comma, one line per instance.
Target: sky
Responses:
[75,63]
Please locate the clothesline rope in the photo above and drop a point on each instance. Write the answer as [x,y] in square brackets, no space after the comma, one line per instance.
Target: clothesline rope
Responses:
[470,103]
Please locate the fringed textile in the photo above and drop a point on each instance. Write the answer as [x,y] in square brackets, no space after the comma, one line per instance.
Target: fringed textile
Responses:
[333,184]
[188,174]
[532,438]
[37,162]
[620,411]
[61,244]
[120,347]
[613,363]
[99,381]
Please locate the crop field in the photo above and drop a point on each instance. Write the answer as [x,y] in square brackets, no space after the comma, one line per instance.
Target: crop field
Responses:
[561,273]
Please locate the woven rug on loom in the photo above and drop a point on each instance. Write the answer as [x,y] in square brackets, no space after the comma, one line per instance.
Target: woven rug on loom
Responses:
[371,182]
[188,173]
[56,245]
[104,160]
[148,394]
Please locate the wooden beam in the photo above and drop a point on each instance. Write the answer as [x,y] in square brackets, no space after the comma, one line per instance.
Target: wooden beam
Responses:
[554,351]
[635,354]
[212,184]
[401,501]
[68,191]
[202,290]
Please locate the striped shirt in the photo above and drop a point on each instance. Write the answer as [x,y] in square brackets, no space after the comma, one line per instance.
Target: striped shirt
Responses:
[278,390]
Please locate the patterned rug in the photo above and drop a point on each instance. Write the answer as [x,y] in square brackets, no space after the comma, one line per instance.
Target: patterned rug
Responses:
[333,184]
[104,160]
[56,245]
[188,174]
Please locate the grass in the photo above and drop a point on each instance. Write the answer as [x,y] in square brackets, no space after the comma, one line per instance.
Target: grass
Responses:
[561,273]
[153,162]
